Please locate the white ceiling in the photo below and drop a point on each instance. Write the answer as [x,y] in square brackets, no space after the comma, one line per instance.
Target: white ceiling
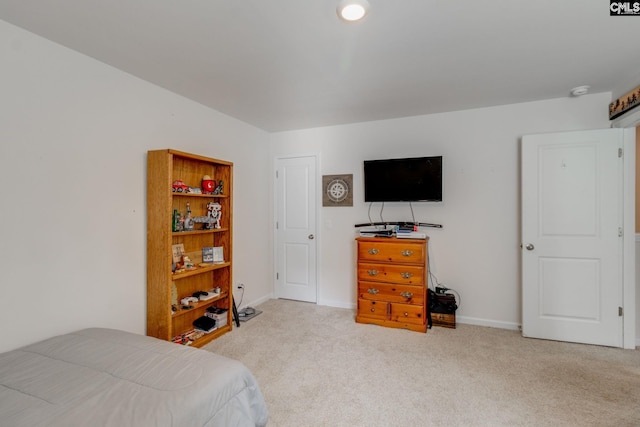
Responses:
[291,64]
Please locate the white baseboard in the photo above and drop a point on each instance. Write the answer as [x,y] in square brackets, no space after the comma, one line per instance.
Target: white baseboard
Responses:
[337,304]
[254,303]
[460,319]
[489,323]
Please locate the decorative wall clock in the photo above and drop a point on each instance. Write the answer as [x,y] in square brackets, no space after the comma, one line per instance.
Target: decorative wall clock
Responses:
[337,190]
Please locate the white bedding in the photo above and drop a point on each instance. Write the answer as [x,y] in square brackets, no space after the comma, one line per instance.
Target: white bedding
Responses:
[105,377]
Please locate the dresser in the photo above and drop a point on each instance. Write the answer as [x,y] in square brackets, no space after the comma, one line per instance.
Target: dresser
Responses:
[392,282]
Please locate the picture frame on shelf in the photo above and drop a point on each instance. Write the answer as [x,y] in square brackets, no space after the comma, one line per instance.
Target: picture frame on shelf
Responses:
[207,255]
[218,254]
[177,252]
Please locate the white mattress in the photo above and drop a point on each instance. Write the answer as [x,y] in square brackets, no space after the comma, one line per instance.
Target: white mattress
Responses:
[105,377]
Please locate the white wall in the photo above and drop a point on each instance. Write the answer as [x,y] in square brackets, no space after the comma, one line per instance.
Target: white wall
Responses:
[625,86]
[477,251]
[73,140]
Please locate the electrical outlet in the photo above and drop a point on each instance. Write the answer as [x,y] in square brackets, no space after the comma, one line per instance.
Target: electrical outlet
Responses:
[240,285]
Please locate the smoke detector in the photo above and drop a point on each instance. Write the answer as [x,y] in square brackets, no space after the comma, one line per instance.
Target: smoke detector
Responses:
[580,90]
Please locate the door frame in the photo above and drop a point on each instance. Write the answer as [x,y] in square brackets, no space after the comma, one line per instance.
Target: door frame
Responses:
[629,249]
[276,158]
[629,257]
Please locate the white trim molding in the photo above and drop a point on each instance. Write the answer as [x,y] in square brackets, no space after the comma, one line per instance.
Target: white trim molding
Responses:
[628,120]
[629,258]
[489,323]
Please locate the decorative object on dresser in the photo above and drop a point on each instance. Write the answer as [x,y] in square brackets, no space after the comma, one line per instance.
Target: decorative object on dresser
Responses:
[196,258]
[392,282]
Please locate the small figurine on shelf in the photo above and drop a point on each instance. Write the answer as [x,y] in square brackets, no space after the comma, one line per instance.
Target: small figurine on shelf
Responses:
[209,220]
[208,185]
[187,263]
[179,186]
[214,211]
[219,188]
[189,224]
[178,267]
[180,222]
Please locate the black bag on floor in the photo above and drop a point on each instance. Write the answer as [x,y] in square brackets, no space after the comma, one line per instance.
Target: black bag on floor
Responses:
[440,303]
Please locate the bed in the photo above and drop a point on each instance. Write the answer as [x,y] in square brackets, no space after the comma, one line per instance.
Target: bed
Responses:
[106,377]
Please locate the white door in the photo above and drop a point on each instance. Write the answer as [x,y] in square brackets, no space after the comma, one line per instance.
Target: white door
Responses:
[296,228]
[572,218]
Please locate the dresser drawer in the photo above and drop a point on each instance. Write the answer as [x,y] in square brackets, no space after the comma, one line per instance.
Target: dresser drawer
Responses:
[391,273]
[406,313]
[373,309]
[393,293]
[410,252]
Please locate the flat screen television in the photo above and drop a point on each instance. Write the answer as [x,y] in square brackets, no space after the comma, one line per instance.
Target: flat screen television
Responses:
[417,179]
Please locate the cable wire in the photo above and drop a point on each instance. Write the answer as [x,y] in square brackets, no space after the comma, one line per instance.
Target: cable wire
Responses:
[241,298]
[413,217]
[435,283]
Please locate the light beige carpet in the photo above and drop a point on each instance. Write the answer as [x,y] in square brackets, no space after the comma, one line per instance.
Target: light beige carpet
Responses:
[317,367]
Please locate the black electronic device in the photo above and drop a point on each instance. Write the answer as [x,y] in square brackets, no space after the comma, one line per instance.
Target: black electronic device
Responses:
[417,179]
[205,324]
[377,232]
[441,303]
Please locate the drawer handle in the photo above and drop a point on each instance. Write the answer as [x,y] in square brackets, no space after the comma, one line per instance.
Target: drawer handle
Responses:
[373,251]
[406,275]
[372,272]
[407,252]
[406,314]
[372,291]
[373,310]
[407,295]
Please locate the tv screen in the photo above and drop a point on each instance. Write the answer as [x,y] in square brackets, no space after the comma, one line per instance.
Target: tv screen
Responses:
[417,179]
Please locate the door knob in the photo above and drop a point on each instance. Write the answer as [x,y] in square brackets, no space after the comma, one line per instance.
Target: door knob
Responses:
[529,247]
[311,237]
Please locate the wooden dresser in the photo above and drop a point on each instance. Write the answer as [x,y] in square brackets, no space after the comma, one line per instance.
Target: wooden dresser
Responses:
[392,282]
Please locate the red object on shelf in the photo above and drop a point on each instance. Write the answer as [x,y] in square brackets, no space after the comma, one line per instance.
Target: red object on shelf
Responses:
[179,186]
[208,185]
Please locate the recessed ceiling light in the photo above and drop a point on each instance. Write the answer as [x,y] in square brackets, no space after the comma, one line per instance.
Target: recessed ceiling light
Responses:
[580,90]
[352,10]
